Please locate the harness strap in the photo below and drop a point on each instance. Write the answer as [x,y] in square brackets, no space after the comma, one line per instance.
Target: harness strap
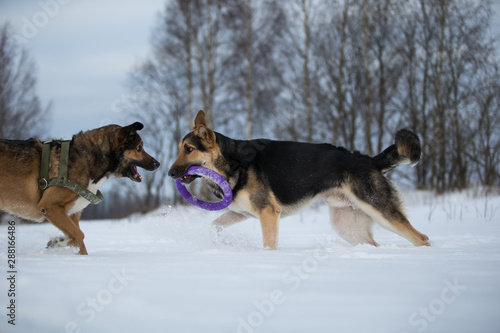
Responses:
[44,167]
[62,180]
[63,161]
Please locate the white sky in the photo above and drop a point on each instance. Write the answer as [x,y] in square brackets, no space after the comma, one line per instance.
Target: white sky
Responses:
[83,51]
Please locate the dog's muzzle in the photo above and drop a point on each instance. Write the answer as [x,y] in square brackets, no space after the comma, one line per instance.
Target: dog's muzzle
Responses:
[175,173]
[155,166]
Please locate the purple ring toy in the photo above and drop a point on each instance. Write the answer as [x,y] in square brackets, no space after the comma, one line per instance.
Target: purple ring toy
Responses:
[213,176]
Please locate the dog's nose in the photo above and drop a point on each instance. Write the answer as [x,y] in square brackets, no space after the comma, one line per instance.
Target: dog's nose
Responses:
[172,173]
[156,164]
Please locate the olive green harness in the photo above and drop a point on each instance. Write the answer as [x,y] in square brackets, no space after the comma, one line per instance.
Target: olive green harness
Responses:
[62,179]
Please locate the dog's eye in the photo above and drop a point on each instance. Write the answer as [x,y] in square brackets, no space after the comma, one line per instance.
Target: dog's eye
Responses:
[189,150]
[139,148]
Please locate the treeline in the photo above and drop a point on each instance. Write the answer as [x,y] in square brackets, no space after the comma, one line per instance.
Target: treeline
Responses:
[347,72]
[22,114]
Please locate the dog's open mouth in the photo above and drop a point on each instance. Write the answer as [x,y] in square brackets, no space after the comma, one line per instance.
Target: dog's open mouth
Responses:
[188,179]
[134,174]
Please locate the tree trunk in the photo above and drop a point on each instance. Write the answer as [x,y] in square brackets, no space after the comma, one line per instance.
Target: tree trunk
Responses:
[368,79]
[249,83]
[307,78]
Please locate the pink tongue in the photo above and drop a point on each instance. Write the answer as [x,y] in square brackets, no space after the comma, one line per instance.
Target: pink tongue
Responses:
[137,175]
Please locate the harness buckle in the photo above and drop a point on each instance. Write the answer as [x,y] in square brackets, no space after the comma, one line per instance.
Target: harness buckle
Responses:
[42,184]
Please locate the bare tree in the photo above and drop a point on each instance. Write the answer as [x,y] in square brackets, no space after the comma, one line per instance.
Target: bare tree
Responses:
[254,27]
[183,70]
[368,98]
[485,152]
[185,7]
[333,49]
[21,112]
[301,76]
[447,53]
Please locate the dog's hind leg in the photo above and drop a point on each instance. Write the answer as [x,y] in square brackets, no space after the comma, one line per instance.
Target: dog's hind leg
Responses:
[384,206]
[352,224]
[394,220]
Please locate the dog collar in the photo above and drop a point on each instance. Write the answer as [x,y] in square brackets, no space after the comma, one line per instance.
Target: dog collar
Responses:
[62,180]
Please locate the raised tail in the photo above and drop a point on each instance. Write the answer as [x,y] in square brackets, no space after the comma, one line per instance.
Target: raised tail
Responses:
[406,149]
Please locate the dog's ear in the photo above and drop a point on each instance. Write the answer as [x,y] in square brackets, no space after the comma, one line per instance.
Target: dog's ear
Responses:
[200,120]
[206,134]
[201,129]
[129,132]
[132,129]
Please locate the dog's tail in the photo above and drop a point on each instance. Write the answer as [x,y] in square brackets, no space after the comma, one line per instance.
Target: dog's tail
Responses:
[406,149]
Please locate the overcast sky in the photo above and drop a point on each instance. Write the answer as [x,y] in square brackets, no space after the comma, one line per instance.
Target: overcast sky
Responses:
[83,51]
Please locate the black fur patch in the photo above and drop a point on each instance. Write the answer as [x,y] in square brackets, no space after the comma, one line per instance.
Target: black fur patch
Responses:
[195,141]
[295,171]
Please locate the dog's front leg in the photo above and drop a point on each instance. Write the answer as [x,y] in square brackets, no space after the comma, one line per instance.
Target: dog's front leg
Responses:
[76,219]
[227,219]
[58,217]
[269,218]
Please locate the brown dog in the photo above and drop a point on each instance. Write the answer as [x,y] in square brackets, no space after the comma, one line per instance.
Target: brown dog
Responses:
[94,156]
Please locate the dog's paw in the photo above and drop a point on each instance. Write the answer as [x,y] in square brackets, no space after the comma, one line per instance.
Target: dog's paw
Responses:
[61,241]
[215,233]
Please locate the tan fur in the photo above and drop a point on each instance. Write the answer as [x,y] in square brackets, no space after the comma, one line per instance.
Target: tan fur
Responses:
[399,225]
[269,218]
[227,219]
[249,201]
[404,150]
[19,192]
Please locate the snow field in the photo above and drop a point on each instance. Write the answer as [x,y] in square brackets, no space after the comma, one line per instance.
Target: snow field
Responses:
[168,272]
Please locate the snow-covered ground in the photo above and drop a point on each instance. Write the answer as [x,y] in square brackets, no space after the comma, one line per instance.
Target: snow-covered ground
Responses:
[166,272]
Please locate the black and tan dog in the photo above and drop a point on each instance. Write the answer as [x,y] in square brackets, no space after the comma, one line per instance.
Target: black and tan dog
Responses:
[94,156]
[272,179]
